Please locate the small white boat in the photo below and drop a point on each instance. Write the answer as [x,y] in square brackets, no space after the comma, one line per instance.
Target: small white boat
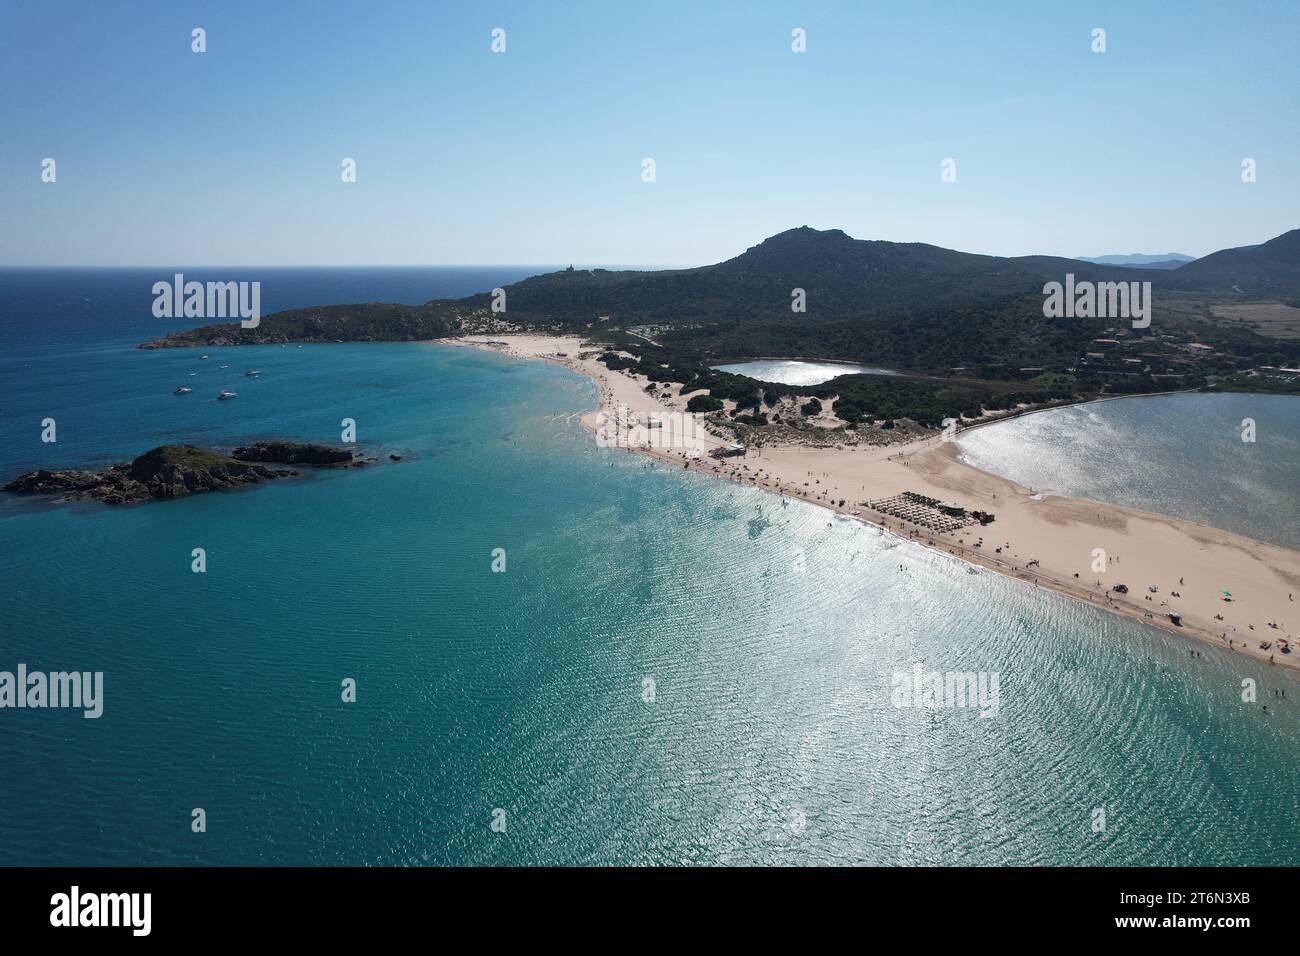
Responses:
[225,394]
[223,366]
[203,358]
[253,373]
[182,391]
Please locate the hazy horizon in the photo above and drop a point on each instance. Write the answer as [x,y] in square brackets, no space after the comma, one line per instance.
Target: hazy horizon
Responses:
[630,266]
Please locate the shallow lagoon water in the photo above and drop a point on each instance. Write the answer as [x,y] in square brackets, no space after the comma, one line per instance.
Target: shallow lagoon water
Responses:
[1180,455]
[798,371]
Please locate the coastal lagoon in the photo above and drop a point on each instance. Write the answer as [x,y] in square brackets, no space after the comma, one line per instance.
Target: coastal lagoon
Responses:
[672,669]
[1180,455]
[798,371]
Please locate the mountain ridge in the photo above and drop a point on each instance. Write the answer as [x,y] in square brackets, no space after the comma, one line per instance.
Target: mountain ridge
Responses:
[883,273]
[1268,268]
[822,292]
[1140,260]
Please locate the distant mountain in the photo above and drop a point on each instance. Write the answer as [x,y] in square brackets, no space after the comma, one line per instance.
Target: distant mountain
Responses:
[902,305]
[1137,260]
[1269,269]
[842,276]
[1165,264]
[850,279]
[969,329]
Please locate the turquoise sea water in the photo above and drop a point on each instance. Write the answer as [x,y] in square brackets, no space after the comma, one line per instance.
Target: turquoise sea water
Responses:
[771,636]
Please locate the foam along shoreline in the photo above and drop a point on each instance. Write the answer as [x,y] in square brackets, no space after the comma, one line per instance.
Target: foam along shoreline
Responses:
[1047,541]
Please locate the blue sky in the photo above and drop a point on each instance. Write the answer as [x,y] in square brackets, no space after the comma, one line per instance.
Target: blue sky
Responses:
[232,157]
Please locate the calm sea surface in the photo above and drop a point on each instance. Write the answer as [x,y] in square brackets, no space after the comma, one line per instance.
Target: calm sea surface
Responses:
[1179,455]
[672,669]
[798,372]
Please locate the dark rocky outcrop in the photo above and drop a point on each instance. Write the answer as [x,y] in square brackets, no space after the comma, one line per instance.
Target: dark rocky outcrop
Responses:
[294,453]
[169,471]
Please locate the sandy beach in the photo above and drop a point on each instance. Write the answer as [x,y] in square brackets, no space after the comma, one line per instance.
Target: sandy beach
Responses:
[1169,565]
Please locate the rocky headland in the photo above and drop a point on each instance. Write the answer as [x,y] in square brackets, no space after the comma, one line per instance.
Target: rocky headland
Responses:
[174,471]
